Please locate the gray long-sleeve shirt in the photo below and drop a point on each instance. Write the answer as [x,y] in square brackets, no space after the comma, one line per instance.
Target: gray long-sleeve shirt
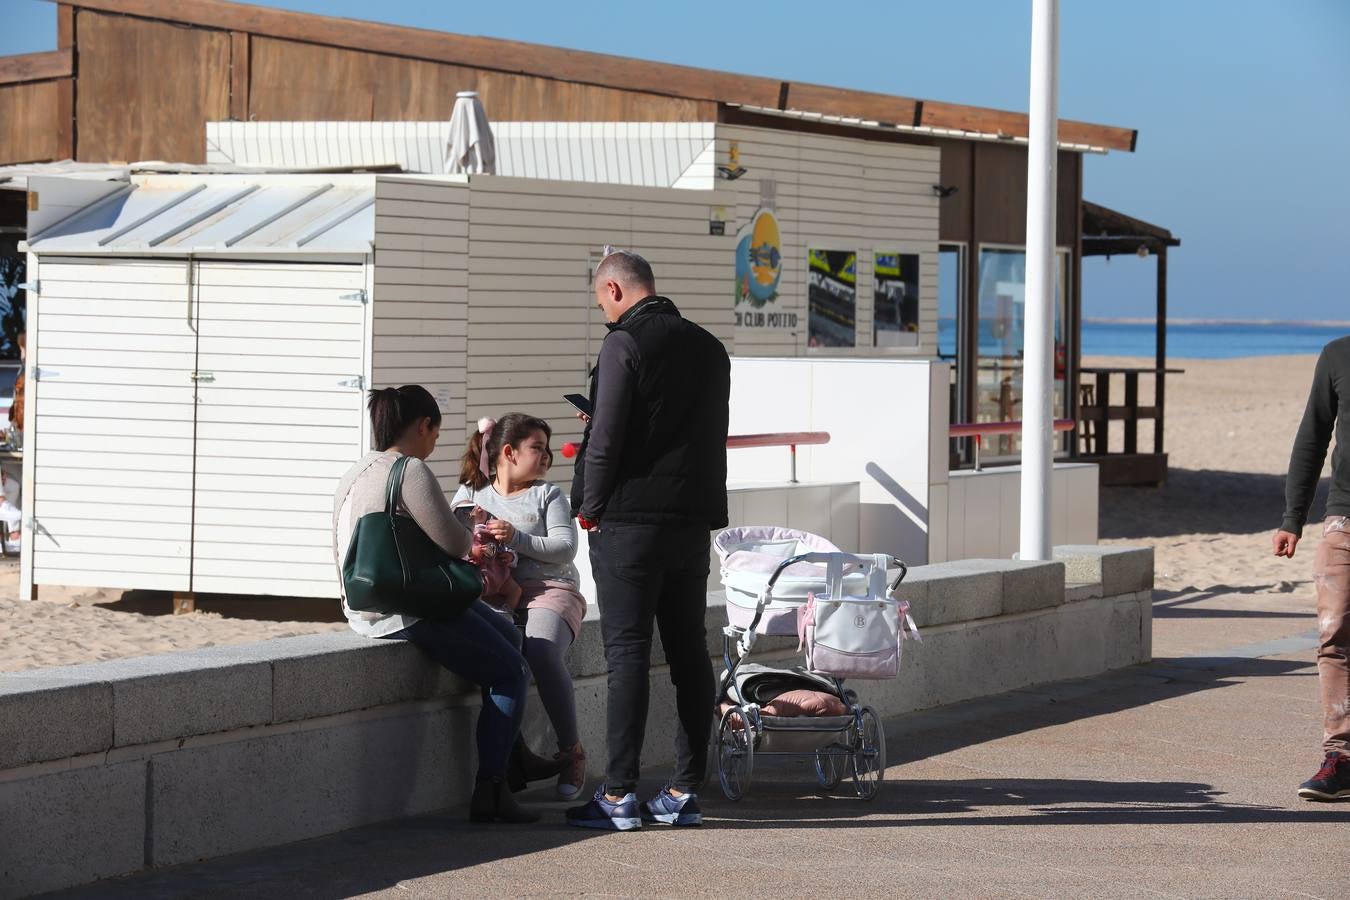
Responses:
[1327,413]
[546,536]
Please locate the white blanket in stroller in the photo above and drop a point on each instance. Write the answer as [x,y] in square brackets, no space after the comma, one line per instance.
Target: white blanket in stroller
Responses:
[749,555]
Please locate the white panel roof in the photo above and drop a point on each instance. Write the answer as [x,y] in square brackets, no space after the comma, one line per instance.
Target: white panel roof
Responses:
[647,154]
[222,214]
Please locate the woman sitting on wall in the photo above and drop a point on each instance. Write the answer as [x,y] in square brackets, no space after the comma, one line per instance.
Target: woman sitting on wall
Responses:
[503,473]
[472,640]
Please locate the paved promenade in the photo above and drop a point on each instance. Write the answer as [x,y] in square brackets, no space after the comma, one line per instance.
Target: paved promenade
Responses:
[1172,779]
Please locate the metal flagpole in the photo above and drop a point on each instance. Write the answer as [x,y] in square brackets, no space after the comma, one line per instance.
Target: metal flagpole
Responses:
[1038,358]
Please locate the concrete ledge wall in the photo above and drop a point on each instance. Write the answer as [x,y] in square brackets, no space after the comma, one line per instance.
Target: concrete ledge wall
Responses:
[113,767]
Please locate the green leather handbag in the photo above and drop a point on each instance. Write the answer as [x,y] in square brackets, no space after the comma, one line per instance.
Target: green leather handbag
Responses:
[392,567]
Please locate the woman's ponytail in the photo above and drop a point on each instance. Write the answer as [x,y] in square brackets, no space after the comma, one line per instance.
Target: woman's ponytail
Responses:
[392,410]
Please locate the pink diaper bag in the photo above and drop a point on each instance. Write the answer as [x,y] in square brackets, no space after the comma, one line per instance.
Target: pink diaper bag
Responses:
[852,635]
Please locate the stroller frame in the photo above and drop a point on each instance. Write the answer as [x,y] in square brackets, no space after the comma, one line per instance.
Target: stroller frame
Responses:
[850,745]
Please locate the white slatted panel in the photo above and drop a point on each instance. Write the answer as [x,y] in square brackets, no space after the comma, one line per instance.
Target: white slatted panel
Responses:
[421,300]
[646,154]
[275,429]
[112,447]
[837,193]
[530,303]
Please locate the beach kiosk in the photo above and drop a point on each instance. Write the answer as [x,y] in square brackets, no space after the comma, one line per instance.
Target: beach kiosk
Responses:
[200,346]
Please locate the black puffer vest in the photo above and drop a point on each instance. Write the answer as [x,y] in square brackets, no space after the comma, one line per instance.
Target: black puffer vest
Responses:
[673,468]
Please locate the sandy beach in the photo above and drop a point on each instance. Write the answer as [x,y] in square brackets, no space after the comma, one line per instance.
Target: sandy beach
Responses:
[1229,428]
[79,625]
[1230,425]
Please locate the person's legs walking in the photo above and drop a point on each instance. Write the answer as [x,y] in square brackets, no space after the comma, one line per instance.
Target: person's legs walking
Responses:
[1332,578]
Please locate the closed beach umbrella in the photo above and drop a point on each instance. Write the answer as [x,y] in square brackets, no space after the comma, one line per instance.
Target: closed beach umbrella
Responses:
[470,148]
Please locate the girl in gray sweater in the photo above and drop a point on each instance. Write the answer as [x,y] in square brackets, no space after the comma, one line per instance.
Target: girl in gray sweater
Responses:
[503,473]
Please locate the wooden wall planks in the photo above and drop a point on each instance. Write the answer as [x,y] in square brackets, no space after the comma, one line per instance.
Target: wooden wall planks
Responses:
[145,89]
[31,117]
[36,66]
[1000,195]
[307,82]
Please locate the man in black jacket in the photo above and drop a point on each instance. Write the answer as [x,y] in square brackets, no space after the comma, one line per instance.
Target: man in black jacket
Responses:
[650,483]
[1328,413]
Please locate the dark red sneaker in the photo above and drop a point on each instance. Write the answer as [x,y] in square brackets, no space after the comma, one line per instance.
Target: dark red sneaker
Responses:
[1332,781]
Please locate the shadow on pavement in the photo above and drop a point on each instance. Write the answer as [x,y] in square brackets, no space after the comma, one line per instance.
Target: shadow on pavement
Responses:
[773,801]
[363,860]
[1013,801]
[1178,612]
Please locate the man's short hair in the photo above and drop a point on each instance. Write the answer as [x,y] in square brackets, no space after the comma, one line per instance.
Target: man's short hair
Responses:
[627,268]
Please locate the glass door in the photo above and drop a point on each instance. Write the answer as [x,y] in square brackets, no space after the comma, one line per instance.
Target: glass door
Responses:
[951,323]
[1001,341]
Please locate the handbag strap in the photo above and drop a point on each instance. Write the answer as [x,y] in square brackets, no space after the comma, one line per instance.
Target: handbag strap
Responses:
[394,488]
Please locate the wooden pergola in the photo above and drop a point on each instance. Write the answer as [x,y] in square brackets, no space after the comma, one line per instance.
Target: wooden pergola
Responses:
[1107,232]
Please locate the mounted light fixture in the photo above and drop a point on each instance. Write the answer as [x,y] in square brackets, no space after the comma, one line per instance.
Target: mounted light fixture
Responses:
[733,169]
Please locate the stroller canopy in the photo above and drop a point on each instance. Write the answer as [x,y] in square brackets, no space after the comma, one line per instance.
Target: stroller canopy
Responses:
[749,555]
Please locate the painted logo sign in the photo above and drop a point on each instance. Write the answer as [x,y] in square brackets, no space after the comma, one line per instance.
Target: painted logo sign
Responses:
[759,260]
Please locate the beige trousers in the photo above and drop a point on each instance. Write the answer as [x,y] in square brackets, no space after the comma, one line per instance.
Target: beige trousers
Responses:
[1332,577]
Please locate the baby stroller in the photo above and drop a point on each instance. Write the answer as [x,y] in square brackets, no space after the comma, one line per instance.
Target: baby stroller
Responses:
[780,581]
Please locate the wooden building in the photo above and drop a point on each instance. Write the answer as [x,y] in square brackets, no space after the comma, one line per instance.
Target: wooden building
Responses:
[141,79]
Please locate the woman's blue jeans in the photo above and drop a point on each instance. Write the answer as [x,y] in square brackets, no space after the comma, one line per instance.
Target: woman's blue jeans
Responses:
[484,647]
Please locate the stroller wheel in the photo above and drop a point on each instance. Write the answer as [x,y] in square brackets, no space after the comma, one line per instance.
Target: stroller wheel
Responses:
[869,753]
[735,752]
[831,763]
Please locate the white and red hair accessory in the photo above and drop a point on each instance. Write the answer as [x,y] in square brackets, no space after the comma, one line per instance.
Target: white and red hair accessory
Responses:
[485,426]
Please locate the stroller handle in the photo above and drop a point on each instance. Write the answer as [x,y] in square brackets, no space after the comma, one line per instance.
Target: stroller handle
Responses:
[748,640]
[825,557]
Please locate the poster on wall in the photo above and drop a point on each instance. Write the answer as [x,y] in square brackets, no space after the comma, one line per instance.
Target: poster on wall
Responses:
[759,268]
[832,298]
[895,300]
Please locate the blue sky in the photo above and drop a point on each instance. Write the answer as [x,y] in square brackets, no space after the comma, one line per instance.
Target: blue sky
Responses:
[1243,109]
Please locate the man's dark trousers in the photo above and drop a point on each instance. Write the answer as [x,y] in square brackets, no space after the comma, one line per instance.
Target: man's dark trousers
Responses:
[644,573]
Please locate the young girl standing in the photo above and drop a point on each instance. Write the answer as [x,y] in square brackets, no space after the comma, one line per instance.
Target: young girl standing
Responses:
[503,473]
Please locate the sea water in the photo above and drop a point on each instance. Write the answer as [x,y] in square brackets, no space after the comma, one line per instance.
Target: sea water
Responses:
[1192,340]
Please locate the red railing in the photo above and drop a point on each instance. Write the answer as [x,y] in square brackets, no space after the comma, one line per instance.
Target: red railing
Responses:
[979,430]
[789,439]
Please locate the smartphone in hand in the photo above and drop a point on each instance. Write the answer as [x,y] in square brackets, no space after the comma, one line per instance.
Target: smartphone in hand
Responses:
[580,402]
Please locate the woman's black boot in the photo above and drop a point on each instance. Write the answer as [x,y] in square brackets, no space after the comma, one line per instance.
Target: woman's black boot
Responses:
[492,802]
[524,766]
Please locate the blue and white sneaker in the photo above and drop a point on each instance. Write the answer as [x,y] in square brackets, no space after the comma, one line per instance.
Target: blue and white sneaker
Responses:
[667,810]
[604,813]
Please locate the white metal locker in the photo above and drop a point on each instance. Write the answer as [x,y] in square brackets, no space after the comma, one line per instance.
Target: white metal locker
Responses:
[112,448]
[279,419]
